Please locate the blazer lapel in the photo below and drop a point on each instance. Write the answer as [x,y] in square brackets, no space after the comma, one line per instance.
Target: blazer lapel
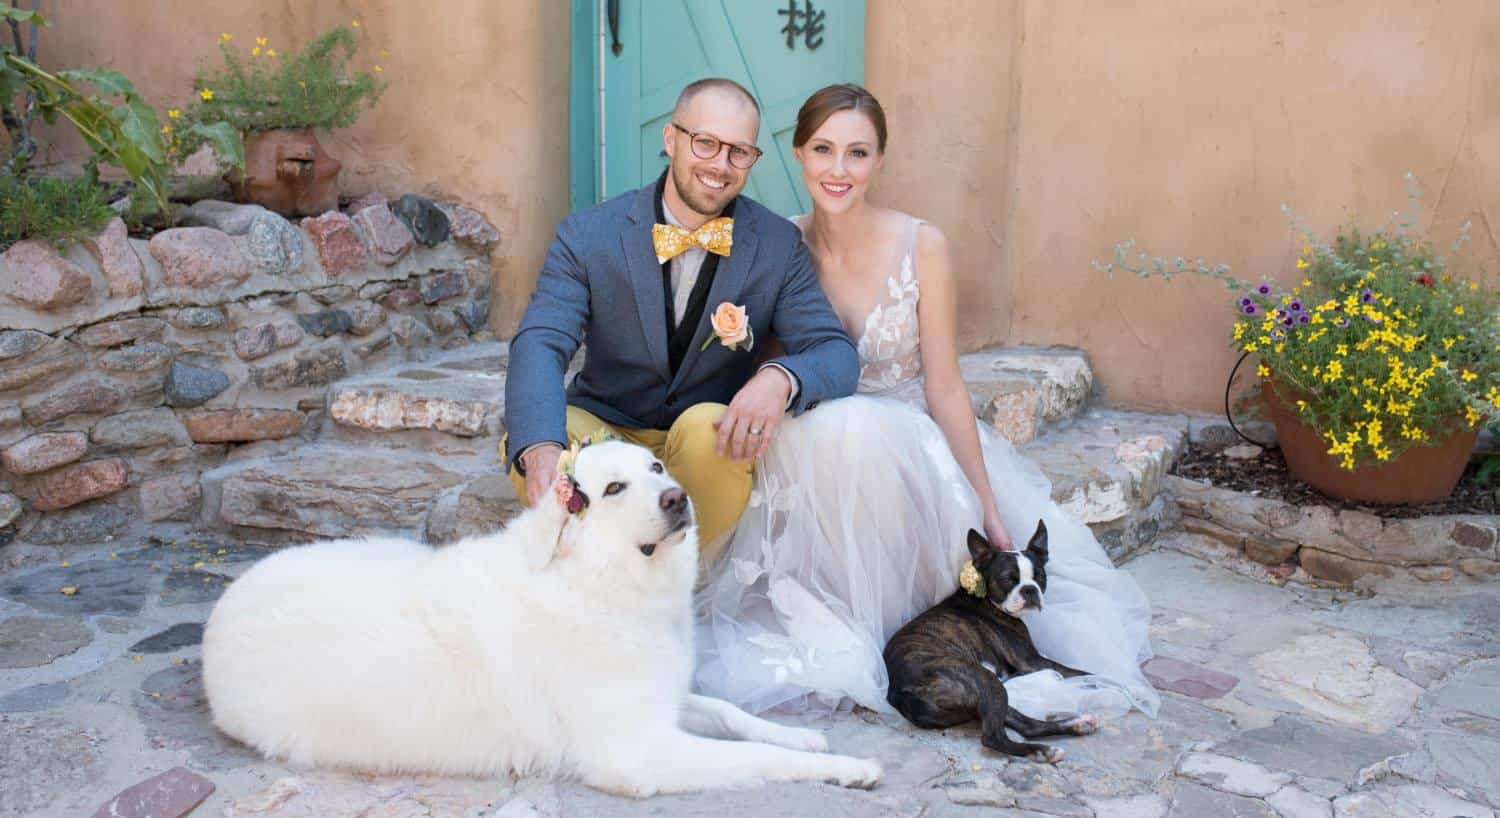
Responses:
[645,279]
[729,282]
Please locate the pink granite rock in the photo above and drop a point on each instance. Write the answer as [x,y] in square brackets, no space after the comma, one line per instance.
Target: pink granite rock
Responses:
[92,396]
[32,273]
[236,425]
[472,229]
[41,452]
[339,247]
[172,794]
[173,497]
[81,483]
[389,239]
[122,267]
[199,257]
[1188,679]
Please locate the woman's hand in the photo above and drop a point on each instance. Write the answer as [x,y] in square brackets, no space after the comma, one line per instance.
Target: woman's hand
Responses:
[995,532]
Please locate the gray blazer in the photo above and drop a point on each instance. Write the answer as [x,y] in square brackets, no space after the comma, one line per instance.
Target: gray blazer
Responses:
[601,283]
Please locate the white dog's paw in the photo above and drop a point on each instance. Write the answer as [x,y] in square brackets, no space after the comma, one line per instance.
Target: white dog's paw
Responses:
[1083,725]
[859,773]
[796,738]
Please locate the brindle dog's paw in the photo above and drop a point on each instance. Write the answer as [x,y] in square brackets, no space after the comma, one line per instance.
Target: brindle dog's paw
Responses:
[1049,755]
[1083,725]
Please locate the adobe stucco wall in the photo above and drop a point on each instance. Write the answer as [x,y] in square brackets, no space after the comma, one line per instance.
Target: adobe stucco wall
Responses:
[477,108]
[1036,133]
[1186,123]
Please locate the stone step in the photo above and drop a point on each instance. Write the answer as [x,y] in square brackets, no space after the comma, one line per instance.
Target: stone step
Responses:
[452,401]
[1021,390]
[461,393]
[1107,468]
[336,489]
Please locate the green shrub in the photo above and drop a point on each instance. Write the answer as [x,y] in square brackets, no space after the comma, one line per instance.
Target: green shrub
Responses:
[261,89]
[59,211]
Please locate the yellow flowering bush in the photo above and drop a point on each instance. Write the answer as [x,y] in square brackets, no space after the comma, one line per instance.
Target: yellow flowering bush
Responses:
[1378,346]
[261,88]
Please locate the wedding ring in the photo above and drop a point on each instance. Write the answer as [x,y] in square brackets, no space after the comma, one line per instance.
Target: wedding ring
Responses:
[756,431]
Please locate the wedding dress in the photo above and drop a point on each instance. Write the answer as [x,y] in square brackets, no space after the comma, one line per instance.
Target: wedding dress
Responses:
[857,523]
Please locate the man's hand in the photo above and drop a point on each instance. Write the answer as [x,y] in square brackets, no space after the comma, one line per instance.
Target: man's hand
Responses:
[748,425]
[541,470]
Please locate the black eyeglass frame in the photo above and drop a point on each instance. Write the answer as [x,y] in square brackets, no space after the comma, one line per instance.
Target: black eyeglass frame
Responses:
[693,136]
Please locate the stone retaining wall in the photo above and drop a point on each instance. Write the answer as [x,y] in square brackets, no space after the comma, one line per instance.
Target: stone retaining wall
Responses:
[1340,545]
[128,367]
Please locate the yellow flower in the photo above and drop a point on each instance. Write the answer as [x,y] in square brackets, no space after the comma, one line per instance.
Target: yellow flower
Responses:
[378,69]
[1301,263]
[206,94]
[1263,371]
[1459,310]
[166,129]
[1306,282]
[227,37]
[173,113]
[301,84]
[354,24]
[384,53]
[1469,376]
[1301,406]
[1343,349]
[270,52]
[260,41]
[255,52]
[1471,415]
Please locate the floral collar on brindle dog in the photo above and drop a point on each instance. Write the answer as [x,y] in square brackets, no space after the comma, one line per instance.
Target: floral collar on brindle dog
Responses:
[971,580]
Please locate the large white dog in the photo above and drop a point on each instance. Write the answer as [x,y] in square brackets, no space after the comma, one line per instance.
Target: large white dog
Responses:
[562,644]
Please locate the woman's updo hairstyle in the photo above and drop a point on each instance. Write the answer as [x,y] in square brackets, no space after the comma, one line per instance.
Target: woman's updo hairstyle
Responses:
[829,101]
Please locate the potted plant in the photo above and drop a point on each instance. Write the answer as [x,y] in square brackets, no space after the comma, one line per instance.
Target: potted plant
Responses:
[1378,367]
[276,101]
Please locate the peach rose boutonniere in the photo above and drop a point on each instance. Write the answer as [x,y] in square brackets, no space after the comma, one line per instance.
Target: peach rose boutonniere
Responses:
[731,325]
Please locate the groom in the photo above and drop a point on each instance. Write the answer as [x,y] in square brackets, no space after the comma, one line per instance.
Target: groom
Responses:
[650,280]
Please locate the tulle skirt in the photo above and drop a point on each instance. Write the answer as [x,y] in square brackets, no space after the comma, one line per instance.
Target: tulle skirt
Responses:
[857,523]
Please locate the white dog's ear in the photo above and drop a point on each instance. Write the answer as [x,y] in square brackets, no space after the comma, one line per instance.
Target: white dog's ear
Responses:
[545,542]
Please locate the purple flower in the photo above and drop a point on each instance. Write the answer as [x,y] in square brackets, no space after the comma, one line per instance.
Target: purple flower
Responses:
[1278,314]
[1367,295]
[1304,318]
[1277,333]
[1295,306]
[1287,320]
[1248,309]
[1245,299]
[1264,289]
[1342,322]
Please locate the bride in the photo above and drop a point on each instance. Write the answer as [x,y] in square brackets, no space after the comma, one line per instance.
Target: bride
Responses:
[860,510]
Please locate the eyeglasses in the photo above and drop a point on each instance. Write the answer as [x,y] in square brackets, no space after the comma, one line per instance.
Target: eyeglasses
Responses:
[707,146]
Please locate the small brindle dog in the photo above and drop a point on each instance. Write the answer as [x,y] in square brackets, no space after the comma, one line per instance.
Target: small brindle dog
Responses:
[937,662]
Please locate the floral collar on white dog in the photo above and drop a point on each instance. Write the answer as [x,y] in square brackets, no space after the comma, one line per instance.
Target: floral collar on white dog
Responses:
[565,487]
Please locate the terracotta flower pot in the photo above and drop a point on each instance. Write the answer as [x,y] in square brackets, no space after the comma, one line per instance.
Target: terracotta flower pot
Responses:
[1422,474]
[287,171]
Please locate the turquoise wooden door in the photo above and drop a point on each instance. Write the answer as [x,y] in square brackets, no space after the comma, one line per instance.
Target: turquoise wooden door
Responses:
[781,50]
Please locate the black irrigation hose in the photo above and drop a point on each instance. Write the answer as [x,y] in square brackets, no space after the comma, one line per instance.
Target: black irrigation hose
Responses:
[1229,417]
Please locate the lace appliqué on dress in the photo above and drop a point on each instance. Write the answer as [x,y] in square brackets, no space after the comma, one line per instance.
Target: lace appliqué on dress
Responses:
[889,347]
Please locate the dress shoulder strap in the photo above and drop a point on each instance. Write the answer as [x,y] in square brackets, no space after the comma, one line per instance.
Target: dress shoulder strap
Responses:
[911,243]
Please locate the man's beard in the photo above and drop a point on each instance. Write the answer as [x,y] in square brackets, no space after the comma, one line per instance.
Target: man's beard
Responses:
[701,201]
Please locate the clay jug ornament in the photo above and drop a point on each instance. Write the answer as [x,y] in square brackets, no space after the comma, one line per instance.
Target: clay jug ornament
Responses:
[287,171]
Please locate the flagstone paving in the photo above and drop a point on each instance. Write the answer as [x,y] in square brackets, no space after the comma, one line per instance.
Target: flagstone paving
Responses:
[1280,699]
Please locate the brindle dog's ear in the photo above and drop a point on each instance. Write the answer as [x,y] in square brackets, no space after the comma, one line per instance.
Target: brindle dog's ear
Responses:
[1038,544]
[980,549]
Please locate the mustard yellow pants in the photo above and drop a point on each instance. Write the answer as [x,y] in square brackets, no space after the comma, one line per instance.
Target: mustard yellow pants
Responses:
[718,486]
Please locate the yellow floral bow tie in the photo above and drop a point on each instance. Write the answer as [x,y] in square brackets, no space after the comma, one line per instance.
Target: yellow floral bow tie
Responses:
[715,236]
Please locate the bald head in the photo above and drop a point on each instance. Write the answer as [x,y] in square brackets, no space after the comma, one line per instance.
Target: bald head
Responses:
[728,89]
